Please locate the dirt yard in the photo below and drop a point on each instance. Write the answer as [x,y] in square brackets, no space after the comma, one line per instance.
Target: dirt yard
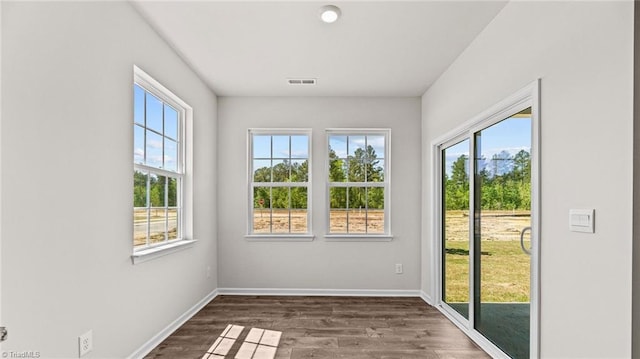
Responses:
[495,225]
[358,221]
[282,220]
[157,226]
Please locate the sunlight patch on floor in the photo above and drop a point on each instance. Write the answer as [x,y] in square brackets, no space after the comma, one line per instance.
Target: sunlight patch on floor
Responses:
[258,344]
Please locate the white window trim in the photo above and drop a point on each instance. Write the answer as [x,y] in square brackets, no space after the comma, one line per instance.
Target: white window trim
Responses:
[186,153]
[358,238]
[150,253]
[280,237]
[277,237]
[361,237]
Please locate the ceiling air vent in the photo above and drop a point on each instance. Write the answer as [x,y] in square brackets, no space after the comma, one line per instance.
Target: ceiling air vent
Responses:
[301,81]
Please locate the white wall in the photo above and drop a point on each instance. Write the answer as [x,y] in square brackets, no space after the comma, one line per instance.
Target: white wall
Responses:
[318,264]
[636,186]
[66,181]
[583,52]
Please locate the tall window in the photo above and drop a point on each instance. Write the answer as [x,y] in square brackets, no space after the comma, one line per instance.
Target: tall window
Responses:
[358,182]
[279,171]
[159,169]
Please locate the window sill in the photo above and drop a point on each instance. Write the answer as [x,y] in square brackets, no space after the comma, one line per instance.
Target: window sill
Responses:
[358,238]
[146,255]
[279,238]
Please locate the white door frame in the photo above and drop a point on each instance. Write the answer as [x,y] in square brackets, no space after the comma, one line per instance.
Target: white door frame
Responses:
[529,96]
[0,167]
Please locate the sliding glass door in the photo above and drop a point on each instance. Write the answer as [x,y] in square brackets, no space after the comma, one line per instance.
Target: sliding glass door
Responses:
[488,213]
[455,224]
[502,220]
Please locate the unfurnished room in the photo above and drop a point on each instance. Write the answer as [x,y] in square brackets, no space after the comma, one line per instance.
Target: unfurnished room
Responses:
[307,179]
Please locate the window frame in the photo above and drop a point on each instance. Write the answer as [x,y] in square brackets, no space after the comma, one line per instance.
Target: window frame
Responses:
[386,185]
[284,236]
[183,173]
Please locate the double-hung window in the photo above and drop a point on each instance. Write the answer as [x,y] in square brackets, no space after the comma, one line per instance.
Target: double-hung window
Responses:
[280,183]
[158,164]
[358,182]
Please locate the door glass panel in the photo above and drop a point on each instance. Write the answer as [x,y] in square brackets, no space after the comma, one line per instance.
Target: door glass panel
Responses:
[502,201]
[455,236]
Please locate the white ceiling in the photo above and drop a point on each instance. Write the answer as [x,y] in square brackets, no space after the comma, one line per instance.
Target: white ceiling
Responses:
[378,48]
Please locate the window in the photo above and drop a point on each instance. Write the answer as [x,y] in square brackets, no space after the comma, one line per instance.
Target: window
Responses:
[158,163]
[358,182]
[280,182]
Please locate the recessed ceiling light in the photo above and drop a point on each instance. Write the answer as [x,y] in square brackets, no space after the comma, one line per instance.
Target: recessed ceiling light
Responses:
[329,13]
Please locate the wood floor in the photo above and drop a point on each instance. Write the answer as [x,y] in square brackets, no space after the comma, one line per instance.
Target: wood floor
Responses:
[326,327]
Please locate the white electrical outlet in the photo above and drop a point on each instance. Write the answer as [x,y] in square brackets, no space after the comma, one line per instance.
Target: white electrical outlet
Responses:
[85,343]
[208,271]
[398,268]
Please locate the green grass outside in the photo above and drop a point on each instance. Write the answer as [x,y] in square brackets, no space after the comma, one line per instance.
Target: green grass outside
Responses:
[504,272]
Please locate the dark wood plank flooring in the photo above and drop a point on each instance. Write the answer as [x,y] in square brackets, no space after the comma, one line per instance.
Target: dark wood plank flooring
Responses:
[326,327]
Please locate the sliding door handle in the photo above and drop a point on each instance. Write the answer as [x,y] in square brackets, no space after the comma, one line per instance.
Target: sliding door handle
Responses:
[525,229]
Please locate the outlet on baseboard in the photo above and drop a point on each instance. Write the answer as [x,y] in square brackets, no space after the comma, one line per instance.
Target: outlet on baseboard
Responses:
[399,268]
[85,343]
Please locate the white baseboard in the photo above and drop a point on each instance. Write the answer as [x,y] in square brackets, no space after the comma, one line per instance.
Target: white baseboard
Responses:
[427,298]
[320,292]
[147,347]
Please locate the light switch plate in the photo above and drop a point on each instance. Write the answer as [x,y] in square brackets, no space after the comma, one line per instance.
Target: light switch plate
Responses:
[582,220]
